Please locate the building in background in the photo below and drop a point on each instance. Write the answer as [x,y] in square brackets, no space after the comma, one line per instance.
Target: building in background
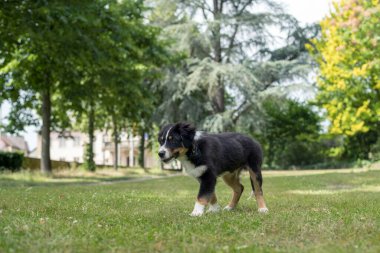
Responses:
[71,146]
[13,143]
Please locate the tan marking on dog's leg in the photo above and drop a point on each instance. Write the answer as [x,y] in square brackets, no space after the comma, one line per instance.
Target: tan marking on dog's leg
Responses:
[233,181]
[214,206]
[258,192]
[203,201]
[213,199]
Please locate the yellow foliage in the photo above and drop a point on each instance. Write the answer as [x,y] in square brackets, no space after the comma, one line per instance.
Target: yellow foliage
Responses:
[377,85]
[363,109]
[349,67]
[341,84]
[362,71]
[358,127]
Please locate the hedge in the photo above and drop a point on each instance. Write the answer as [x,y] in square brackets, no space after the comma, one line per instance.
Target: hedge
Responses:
[11,161]
[34,164]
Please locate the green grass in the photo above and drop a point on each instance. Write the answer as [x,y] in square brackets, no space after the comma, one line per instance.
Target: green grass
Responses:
[335,212]
[78,176]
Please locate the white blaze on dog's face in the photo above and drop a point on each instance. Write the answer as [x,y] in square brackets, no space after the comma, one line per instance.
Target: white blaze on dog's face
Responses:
[175,140]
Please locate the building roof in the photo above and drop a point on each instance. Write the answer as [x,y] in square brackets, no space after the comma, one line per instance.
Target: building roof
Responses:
[16,142]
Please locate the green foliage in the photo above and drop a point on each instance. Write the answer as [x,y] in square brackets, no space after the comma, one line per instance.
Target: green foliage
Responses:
[82,51]
[359,145]
[375,151]
[226,73]
[290,134]
[348,54]
[84,61]
[11,161]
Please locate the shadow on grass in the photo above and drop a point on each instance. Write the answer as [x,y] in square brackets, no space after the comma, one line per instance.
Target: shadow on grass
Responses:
[26,178]
[55,181]
[89,179]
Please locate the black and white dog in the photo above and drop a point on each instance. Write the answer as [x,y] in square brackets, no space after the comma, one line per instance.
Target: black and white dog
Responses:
[207,156]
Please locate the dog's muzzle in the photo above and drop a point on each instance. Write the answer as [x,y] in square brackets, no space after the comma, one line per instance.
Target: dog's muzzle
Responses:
[166,155]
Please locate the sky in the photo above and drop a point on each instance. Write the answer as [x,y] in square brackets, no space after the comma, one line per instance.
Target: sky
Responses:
[306,11]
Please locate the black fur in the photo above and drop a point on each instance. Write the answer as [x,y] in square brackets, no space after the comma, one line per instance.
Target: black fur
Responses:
[224,152]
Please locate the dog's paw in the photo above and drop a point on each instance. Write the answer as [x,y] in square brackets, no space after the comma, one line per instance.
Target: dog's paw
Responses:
[263,210]
[196,213]
[214,208]
[198,210]
[228,208]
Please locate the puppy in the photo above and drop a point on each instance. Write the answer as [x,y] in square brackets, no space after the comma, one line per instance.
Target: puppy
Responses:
[207,156]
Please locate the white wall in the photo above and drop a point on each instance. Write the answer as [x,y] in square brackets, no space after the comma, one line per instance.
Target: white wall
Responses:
[66,149]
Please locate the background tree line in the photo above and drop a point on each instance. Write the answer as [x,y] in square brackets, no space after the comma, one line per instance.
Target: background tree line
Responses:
[225,65]
[77,63]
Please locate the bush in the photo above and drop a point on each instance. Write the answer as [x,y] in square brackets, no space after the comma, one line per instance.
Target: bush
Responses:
[375,151]
[11,161]
[291,133]
[299,154]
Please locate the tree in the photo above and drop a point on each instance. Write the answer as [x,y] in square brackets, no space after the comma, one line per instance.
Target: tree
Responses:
[290,134]
[230,58]
[42,39]
[348,55]
[115,87]
[67,59]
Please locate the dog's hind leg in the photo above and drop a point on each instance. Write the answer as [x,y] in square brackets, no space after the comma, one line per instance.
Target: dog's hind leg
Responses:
[252,195]
[257,181]
[233,181]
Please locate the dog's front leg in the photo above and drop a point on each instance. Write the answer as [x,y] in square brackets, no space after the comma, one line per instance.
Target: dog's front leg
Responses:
[206,194]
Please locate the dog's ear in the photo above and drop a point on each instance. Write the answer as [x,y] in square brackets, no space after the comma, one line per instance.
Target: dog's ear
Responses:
[187,132]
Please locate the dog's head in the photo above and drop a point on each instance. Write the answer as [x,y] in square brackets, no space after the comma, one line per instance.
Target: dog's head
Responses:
[175,140]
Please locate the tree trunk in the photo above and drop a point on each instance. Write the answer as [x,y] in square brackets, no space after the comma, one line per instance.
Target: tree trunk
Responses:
[116,144]
[218,96]
[142,149]
[270,155]
[90,164]
[45,132]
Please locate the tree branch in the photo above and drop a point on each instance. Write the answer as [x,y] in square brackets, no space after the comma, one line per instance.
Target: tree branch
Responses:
[232,43]
[244,7]
[243,107]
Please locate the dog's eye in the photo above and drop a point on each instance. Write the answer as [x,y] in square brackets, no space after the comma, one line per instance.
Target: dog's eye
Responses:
[170,137]
[162,138]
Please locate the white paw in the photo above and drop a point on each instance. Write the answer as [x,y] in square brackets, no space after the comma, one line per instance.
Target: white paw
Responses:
[198,210]
[228,208]
[263,210]
[214,208]
[196,213]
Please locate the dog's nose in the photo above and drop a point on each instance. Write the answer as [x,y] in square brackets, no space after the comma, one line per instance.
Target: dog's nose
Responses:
[161,153]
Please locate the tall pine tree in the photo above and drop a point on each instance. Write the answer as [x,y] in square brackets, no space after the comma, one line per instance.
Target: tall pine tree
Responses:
[232,57]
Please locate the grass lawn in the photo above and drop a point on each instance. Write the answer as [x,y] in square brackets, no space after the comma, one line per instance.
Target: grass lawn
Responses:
[334,212]
[80,176]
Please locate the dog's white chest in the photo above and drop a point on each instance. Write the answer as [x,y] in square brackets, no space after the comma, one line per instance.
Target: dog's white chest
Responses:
[191,170]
